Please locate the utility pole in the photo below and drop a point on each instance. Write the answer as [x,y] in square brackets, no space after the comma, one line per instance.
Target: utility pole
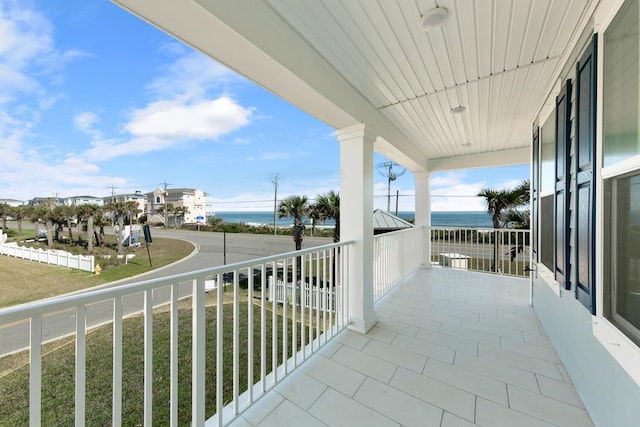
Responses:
[391,176]
[166,214]
[275,203]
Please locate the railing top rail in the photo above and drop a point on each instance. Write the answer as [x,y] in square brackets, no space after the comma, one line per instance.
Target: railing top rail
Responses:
[450,227]
[65,302]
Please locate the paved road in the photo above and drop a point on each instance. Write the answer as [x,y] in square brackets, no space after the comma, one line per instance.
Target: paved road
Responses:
[209,252]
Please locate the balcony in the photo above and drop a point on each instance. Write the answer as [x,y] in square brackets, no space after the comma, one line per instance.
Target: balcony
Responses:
[451,347]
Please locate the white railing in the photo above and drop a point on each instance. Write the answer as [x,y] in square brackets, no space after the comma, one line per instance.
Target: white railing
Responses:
[48,256]
[312,296]
[395,255]
[222,349]
[503,251]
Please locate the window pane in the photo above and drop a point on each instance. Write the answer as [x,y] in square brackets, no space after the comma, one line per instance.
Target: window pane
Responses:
[547,155]
[625,256]
[546,231]
[621,86]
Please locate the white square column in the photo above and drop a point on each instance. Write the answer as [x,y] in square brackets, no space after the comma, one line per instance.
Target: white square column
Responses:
[356,220]
[423,213]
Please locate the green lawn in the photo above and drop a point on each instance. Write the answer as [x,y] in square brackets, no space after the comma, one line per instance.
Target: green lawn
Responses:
[58,369]
[24,281]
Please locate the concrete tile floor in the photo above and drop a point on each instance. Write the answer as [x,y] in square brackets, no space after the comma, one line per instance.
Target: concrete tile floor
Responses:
[451,348]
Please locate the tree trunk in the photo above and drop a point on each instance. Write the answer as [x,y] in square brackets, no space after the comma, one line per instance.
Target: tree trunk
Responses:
[20,227]
[48,225]
[119,235]
[70,233]
[89,233]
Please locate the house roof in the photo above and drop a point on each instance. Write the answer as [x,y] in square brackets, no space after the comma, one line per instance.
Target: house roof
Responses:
[383,220]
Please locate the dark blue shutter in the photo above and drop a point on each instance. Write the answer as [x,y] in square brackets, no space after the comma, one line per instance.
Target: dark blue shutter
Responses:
[585,185]
[535,194]
[561,198]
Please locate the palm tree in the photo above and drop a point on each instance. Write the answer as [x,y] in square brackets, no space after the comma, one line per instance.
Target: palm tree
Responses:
[100,221]
[89,213]
[121,210]
[5,209]
[180,212]
[19,213]
[296,207]
[326,207]
[499,202]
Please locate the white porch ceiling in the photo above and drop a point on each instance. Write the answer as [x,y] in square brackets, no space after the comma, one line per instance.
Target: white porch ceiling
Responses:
[348,61]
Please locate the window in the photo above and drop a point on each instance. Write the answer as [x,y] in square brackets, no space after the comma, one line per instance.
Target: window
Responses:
[620,94]
[622,184]
[158,199]
[622,298]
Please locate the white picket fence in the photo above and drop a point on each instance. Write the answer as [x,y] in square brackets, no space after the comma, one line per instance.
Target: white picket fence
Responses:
[312,295]
[54,257]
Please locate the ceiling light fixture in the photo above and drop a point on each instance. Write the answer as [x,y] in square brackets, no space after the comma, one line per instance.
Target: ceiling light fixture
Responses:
[434,18]
[458,109]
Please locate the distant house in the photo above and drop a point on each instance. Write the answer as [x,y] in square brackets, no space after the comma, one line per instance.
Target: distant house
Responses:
[83,200]
[194,200]
[138,197]
[12,202]
[38,201]
[385,222]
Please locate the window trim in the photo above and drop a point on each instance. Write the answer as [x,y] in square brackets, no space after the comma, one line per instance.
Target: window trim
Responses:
[613,340]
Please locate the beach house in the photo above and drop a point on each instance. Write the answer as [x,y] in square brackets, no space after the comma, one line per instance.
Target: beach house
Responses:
[433,85]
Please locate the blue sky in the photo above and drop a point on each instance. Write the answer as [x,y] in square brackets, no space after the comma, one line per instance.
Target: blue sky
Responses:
[92,97]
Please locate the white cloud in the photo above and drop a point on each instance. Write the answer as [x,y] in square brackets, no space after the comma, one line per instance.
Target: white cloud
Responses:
[191,75]
[451,192]
[86,120]
[172,119]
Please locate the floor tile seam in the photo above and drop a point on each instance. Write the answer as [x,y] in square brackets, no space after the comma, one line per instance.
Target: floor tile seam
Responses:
[268,413]
[556,360]
[516,367]
[562,402]
[525,413]
[397,332]
[483,331]
[448,336]
[363,373]
[461,389]
[542,393]
[508,382]
[426,342]
[353,398]
[547,421]
[467,391]
[396,348]
[530,356]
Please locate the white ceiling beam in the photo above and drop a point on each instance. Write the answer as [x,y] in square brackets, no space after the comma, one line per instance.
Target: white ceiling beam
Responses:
[514,156]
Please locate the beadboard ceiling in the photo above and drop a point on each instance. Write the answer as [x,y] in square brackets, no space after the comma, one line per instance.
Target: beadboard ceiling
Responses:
[370,61]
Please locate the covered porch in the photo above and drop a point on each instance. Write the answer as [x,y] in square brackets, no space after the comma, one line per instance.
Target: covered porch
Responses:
[451,348]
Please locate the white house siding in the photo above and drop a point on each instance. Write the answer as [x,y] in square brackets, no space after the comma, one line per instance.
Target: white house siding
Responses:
[610,392]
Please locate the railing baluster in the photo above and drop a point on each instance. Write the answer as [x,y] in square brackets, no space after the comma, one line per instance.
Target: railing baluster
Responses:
[324,294]
[116,415]
[285,319]
[236,342]
[274,324]
[198,331]
[173,358]
[81,364]
[294,305]
[250,333]
[263,327]
[148,357]
[35,371]
[303,303]
[219,346]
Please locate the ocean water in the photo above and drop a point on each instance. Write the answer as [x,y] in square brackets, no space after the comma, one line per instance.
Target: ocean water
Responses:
[452,219]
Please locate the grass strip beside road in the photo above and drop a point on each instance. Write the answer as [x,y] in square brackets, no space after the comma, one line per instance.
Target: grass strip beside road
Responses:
[25,281]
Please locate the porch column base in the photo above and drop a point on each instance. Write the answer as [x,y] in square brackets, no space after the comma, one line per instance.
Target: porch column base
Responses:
[363,325]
